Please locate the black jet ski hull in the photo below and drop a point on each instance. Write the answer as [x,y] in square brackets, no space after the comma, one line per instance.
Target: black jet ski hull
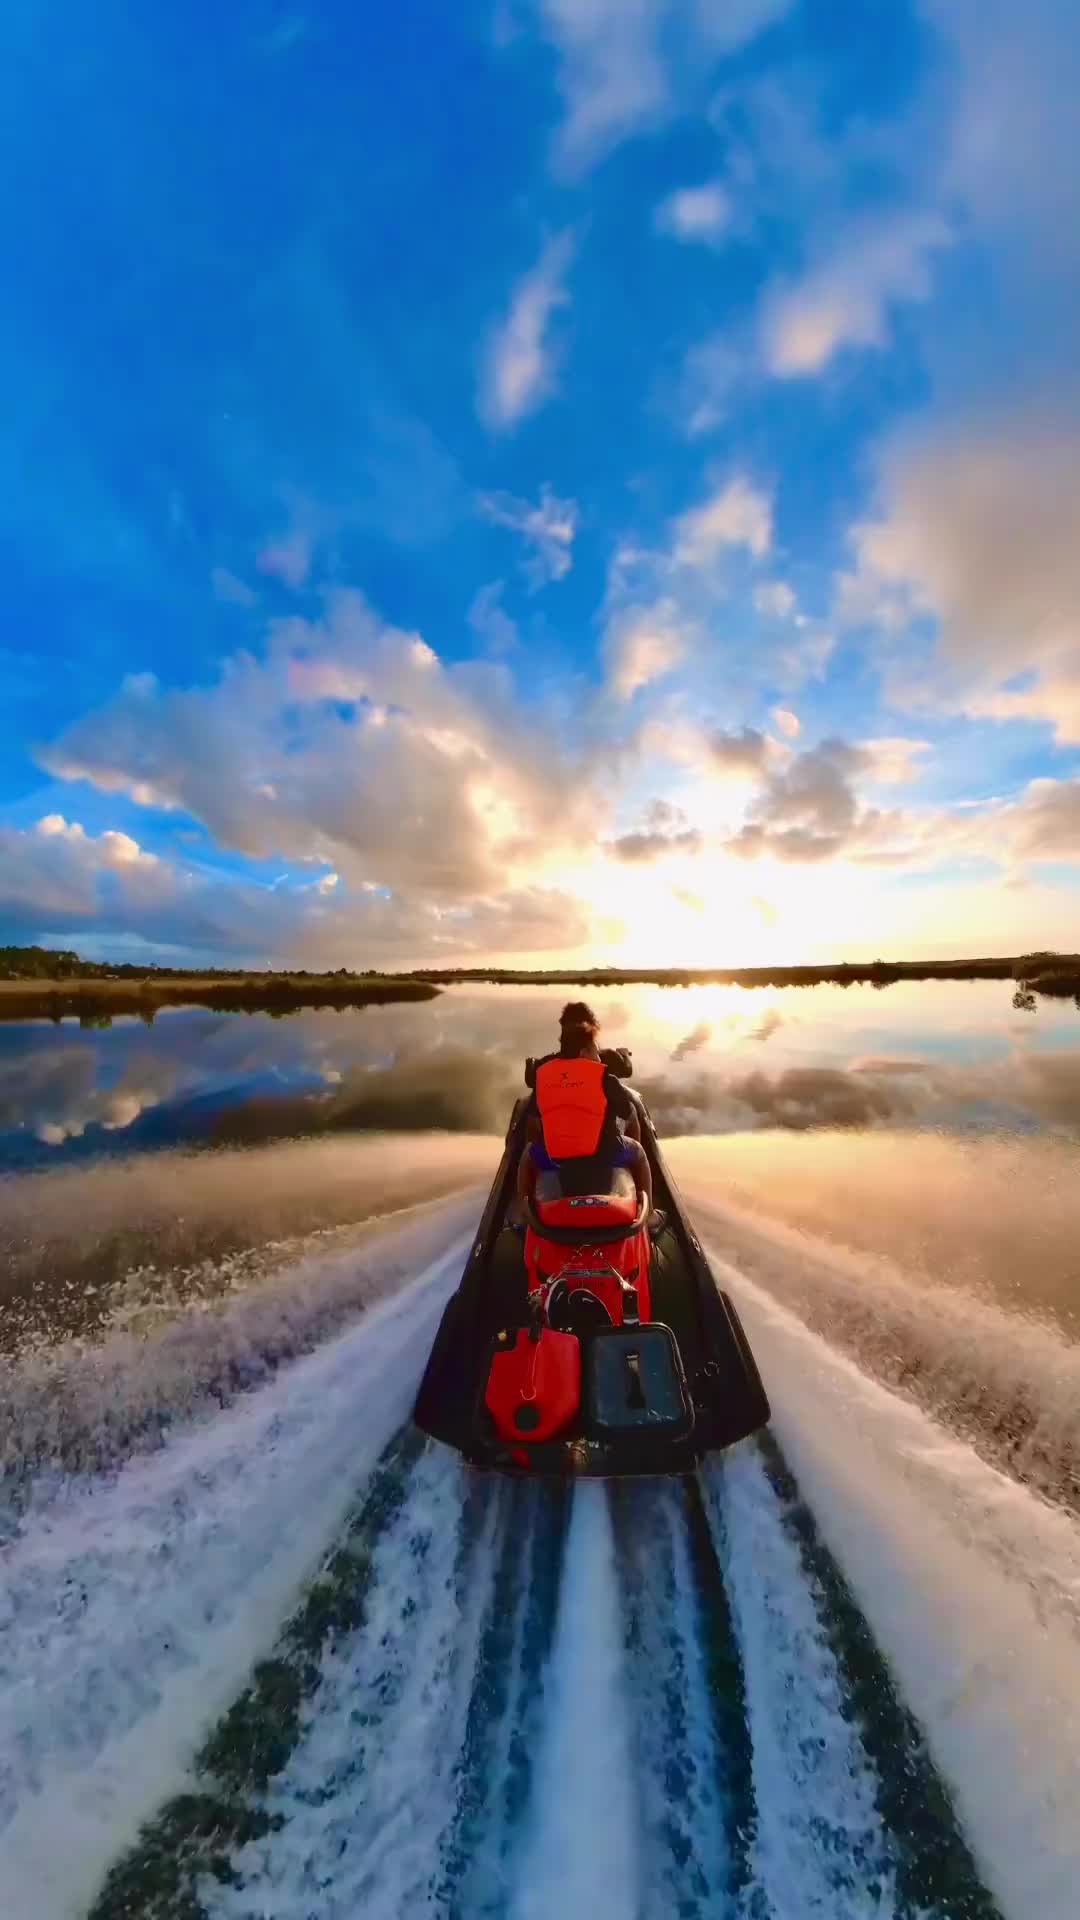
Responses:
[725,1399]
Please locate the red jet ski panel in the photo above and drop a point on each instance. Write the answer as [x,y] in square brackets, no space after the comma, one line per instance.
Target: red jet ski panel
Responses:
[597,1268]
[534,1387]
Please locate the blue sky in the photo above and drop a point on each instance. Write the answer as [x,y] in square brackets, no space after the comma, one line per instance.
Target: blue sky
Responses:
[543,479]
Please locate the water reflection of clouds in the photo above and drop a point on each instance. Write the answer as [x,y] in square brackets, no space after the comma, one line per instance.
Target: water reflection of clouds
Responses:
[55,1096]
[712,1059]
[458,1067]
[1012,1094]
[693,1042]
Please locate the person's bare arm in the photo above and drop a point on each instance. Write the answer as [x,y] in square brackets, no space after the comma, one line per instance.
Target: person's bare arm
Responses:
[525,1179]
[642,1172]
[624,1107]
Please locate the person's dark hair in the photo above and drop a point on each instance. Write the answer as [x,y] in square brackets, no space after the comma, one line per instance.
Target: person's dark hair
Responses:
[578,1026]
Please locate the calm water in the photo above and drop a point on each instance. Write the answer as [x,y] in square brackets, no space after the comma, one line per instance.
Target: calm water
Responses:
[933,1126]
[709,1059]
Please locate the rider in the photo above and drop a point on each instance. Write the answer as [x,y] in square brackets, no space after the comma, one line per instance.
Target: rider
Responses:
[580,1111]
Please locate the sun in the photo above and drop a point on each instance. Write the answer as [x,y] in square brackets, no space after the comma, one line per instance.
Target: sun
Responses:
[681,912]
[713,909]
[701,919]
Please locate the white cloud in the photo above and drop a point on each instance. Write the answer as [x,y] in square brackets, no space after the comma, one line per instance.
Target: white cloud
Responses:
[816,806]
[666,830]
[893,761]
[739,753]
[231,590]
[108,849]
[1044,823]
[55,874]
[737,515]
[787,722]
[56,880]
[287,558]
[978,529]
[846,300]
[775,599]
[969,562]
[612,75]
[624,63]
[809,806]
[710,371]
[519,364]
[1011,148]
[351,744]
[663,602]
[440,816]
[703,213]
[548,530]
[489,619]
[643,644]
[805,658]
[808,810]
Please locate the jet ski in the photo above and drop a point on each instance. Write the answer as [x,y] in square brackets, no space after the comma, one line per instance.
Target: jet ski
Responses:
[597,1341]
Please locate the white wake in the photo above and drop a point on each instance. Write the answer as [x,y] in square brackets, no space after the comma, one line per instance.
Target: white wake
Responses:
[134,1606]
[579,1859]
[972,1586]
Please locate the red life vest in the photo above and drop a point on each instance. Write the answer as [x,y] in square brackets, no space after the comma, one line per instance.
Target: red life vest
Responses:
[573,1106]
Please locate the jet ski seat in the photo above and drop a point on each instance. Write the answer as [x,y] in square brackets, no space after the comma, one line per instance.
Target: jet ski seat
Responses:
[611,1197]
[597,1241]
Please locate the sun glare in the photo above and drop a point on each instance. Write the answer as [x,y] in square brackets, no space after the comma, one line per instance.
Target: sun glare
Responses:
[674,924]
[713,910]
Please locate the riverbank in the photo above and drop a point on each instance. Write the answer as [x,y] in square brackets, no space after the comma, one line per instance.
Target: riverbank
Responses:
[98,995]
[1043,973]
[100,1000]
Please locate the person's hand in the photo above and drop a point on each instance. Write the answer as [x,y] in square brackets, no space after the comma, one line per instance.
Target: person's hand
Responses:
[618,1061]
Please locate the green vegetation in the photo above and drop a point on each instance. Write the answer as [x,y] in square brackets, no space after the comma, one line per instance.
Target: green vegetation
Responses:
[36,983]
[1051,973]
[841,974]
[1044,973]
[41,963]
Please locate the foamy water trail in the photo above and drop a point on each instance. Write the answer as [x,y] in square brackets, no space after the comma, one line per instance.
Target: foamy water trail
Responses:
[134,1606]
[1000,1372]
[362,1805]
[579,1858]
[85,1405]
[971,1585]
[819,1848]
[86,1249]
[506,1713]
[500,1700]
[685,1706]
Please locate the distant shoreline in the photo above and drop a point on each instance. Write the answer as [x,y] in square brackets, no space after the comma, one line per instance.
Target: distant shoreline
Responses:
[98,996]
[1053,973]
[97,999]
